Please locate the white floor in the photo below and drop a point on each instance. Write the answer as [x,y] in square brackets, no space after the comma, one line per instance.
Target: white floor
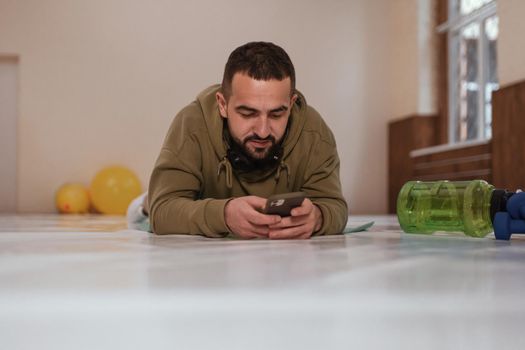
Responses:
[71,282]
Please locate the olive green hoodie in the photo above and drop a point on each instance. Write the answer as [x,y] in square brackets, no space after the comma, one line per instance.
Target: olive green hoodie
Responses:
[193,180]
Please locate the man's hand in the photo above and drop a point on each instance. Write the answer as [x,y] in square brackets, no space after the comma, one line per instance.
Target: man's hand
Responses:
[244,218]
[302,223]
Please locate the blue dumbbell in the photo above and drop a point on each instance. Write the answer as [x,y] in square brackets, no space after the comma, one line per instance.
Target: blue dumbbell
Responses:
[516,206]
[505,226]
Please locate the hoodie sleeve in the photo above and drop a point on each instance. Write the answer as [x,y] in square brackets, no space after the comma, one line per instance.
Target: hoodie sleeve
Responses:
[323,187]
[175,185]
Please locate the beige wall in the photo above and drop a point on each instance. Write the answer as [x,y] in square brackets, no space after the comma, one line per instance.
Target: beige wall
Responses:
[511,50]
[411,57]
[403,77]
[100,80]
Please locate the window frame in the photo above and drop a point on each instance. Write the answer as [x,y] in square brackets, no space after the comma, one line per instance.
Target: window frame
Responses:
[450,28]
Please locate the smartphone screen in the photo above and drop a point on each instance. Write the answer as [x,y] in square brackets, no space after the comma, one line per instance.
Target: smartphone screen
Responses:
[282,204]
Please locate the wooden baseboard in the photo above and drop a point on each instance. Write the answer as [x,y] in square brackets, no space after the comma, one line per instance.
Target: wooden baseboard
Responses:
[508,136]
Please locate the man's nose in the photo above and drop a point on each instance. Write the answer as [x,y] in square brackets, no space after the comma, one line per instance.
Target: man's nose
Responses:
[262,127]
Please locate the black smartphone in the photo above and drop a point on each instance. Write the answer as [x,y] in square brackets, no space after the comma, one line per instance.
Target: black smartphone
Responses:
[282,204]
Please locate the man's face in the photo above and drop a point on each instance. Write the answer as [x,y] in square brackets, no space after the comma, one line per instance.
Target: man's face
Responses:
[257,112]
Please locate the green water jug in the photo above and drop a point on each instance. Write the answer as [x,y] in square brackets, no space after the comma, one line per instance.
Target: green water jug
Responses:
[453,206]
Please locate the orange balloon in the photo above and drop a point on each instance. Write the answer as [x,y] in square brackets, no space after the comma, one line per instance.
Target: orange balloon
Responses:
[72,198]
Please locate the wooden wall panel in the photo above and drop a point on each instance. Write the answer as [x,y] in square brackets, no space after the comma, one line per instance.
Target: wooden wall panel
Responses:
[404,136]
[508,135]
[467,163]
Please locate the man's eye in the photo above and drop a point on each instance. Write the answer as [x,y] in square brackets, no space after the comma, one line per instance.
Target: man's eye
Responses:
[247,114]
[276,115]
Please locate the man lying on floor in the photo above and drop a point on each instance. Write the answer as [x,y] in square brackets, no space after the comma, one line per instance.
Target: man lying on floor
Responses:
[237,144]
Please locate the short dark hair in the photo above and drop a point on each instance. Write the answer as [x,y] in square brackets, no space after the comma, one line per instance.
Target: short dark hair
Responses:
[259,60]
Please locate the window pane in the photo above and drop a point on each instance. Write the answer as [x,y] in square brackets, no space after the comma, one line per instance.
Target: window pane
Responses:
[491,74]
[468,6]
[472,68]
[491,34]
[467,89]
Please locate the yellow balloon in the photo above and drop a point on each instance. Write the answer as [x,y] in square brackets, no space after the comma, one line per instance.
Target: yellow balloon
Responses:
[72,199]
[113,188]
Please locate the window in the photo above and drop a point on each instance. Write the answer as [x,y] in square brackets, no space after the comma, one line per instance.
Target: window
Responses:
[472,32]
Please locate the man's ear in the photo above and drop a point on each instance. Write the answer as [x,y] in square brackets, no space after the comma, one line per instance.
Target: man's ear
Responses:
[292,101]
[221,101]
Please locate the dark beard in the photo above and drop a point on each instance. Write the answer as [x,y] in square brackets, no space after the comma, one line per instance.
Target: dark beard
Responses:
[259,151]
[241,159]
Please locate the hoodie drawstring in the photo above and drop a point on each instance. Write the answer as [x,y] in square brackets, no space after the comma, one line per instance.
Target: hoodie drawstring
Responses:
[226,165]
[283,166]
[228,168]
